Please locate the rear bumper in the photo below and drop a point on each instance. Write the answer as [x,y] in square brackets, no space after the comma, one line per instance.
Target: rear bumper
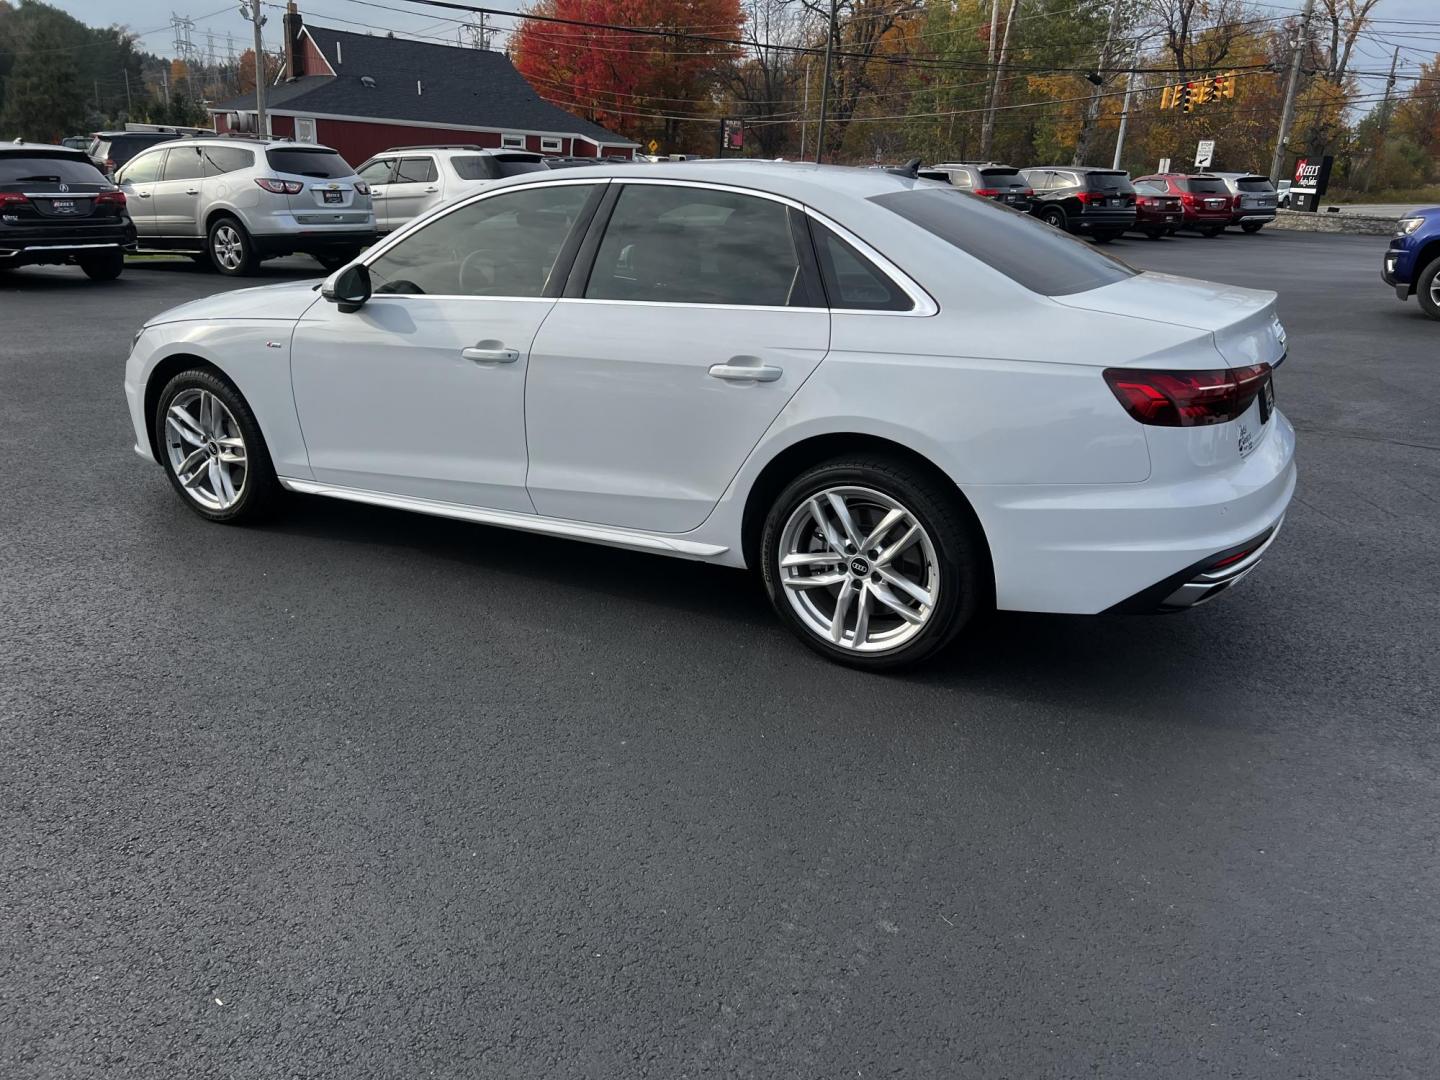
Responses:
[1105,220]
[32,246]
[314,240]
[1242,216]
[1204,581]
[1087,549]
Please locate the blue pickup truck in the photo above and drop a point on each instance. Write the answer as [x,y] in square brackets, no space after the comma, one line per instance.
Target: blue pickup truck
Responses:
[1412,261]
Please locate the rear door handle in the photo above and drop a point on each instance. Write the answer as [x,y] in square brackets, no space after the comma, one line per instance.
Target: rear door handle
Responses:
[431,190]
[143,194]
[192,191]
[746,372]
[491,355]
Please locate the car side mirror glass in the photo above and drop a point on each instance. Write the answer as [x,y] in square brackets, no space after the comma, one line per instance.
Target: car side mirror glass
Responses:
[348,288]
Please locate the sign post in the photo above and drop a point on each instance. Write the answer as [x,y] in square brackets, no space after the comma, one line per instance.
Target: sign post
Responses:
[1204,153]
[1312,179]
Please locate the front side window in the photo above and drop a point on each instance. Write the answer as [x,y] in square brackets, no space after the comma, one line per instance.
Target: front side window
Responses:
[505,245]
[684,245]
[143,169]
[1045,260]
[377,172]
[183,163]
[415,170]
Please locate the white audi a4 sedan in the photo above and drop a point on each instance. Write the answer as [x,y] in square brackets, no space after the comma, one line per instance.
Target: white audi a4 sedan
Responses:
[902,406]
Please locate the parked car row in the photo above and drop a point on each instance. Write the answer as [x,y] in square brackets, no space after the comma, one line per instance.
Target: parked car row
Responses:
[1103,204]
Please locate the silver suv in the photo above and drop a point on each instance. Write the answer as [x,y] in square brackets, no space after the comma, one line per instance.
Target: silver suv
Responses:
[235,201]
[407,181]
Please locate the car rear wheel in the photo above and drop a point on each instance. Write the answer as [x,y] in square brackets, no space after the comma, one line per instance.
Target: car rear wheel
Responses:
[1251,226]
[1427,289]
[1054,215]
[1105,237]
[1154,234]
[1210,232]
[871,562]
[335,260]
[231,250]
[105,267]
[212,450]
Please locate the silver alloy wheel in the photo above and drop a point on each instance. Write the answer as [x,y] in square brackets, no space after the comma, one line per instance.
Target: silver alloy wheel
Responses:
[228,245]
[206,449]
[859,569]
[1435,290]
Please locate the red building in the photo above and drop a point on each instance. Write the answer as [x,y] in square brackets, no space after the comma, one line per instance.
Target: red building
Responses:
[362,94]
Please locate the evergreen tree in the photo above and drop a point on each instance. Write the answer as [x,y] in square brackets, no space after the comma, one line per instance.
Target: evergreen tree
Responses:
[44,98]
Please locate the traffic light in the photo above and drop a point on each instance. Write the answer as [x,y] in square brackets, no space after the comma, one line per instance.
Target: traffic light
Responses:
[1201,93]
[1224,86]
[1189,99]
[1169,97]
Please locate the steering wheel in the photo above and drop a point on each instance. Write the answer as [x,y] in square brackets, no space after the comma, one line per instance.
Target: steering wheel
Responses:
[481,266]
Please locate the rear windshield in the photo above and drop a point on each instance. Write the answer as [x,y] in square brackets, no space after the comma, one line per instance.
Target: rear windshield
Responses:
[322,164]
[515,164]
[1254,183]
[490,166]
[1041,258]
[1002,178]
[1205,185]
[63,170]
[1109,181]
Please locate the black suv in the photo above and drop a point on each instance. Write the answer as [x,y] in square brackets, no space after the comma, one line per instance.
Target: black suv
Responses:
[987,179]
[112,149]
[1077,198]
[56,208]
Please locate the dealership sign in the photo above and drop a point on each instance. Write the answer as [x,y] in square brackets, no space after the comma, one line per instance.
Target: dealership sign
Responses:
[1311,180]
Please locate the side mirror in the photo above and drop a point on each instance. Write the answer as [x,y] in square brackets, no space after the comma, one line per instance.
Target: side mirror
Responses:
[348,288]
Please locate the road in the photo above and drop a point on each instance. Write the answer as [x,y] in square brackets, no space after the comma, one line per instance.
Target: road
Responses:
[362,794]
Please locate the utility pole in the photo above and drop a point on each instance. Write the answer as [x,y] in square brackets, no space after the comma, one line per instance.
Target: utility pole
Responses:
[1092,107]
[990,55]
[805,108]
[128,106]
[1384,124]
[1287,115]
[1125,109]
[987,130]
[254,16]
[825,83]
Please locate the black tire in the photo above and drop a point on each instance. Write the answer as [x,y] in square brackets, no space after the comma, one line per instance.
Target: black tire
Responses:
[1105,236]
[1427,289]
[202,259]
[1055,216]
[1251,226]
[1154,234]
[333,261]
[230,248]
[259,492]
[961,563]
[1210,232]
[106,267]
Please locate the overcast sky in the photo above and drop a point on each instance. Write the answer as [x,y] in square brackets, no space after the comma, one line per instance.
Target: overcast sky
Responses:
[151,19]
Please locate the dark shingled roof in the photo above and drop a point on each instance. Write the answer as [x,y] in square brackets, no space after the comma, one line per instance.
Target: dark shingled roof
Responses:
[469,87]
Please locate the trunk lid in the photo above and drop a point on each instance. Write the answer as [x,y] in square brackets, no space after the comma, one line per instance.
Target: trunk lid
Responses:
[1243,322]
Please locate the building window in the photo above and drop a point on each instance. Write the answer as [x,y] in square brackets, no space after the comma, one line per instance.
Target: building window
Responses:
[550,146]
[512,142]
[305,129]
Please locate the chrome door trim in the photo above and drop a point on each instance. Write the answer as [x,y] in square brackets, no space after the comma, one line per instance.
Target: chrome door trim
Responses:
[609,535]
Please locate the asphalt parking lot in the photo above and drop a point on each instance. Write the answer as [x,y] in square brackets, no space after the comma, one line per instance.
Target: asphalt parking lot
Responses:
[362,794]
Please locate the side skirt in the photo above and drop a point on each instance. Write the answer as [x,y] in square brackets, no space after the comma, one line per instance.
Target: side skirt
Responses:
[609,535]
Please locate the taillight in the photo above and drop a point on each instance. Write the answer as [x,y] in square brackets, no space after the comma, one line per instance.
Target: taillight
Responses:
[1187,199]
[1187,398]
[362,187]
[1086,197]
[12,198]
[1142,201]
[109,166]
[117,197]
[1029,193]
[280,187]
[988,192]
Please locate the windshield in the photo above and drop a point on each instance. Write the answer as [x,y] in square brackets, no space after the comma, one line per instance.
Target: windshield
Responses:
[1038,256]
[43,168]
[321,164]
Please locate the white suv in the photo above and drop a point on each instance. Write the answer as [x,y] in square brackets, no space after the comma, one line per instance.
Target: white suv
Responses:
[407,181]
[235,201]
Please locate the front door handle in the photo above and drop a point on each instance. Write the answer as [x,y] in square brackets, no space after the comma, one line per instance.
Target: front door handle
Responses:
[496,355]
[143,194]
[746,372]
[192,191]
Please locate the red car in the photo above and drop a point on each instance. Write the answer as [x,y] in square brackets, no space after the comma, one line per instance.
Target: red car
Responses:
[1157,212]
[1205,201]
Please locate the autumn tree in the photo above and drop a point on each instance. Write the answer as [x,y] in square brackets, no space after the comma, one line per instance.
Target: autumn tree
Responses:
[642,85]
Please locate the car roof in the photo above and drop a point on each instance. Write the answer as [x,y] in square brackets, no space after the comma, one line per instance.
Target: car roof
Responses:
[1078,168]
[18,147]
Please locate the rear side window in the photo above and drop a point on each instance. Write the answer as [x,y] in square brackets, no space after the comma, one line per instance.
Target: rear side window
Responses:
[415,170]
[1109,181]
[1041,258]
[1208,185]
[961,178]
[474,167]
[1254,183]
[321,164]
[226,159]
[62,170]
[182,163]
[852,280]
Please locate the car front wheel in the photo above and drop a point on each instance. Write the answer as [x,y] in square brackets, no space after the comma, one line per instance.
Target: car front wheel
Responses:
[1427,289]
[231,250]
[212,450]
[872,563]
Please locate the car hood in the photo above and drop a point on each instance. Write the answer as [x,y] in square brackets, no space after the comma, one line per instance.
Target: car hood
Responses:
[1243,322]
[285,302]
